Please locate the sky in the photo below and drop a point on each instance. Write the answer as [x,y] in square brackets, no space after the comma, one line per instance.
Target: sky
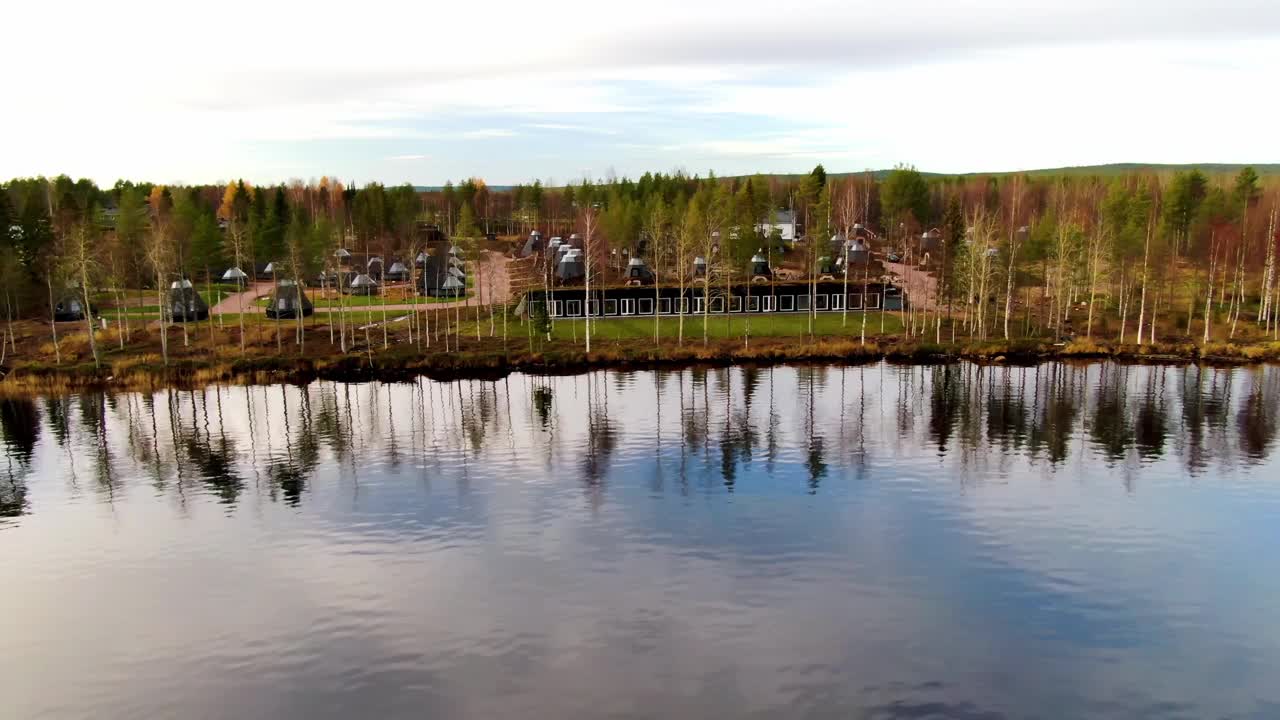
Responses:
[510,92]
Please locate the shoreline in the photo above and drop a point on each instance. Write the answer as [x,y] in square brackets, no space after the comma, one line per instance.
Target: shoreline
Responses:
[401,363]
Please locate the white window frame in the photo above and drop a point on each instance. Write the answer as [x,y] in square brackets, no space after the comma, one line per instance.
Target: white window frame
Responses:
[610,306]
[664,306]
[593,307]
[802,302]
[786,303]
[753,303]
[646,306]
[855,301]
[554,309]
[627,306]
[699,303]
[717,304]
[684,306]
[735,303]
[767,303]
[837,301]
[873,301]
[573,308]
[820,302]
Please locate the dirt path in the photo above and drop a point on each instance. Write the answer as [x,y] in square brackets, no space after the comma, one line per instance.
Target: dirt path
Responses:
[496,279]
[921,286]
[233,303]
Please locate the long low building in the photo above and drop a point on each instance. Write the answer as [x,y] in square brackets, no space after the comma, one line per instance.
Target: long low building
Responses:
[789,297]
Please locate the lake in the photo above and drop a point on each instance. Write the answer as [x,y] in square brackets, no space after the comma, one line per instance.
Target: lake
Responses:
[948,541]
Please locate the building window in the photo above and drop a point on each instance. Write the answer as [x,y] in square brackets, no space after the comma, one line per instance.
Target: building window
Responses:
[646,306]
[610,307]
[753,304]
[802,302]
[735,304]
[820,302]
[593,307]
[855,301]
[717,304]
[573,308]
[664,306]
[786,303]
[873,300]
[555,308]
[698,305]
[684,306]
[837,302]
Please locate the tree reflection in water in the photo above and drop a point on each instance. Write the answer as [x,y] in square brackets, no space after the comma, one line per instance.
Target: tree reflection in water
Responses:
[708,428]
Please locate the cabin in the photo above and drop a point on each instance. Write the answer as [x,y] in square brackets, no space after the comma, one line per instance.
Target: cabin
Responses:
[788,297]
[930,241]
[783,222]
[235,276]
[397,272]
[288,301]
[185,304]
[760,270]
[533,245]
[638,273]
[442,276]
[69,308]
[571,267]
[361,285]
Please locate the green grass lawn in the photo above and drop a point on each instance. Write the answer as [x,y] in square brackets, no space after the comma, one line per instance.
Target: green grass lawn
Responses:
[735,325]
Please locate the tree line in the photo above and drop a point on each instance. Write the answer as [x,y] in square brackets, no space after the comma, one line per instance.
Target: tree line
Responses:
[1132,258]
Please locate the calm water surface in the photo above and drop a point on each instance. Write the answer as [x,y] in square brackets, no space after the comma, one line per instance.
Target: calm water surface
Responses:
[881,542]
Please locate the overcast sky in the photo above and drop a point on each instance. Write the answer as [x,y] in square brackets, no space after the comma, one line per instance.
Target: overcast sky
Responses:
[512,91]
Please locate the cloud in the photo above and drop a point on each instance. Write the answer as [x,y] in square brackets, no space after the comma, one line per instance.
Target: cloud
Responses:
[406,158]
[725,84]
[566,127]
[486,133]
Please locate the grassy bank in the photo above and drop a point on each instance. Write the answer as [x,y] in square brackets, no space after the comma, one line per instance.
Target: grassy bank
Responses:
[213,354]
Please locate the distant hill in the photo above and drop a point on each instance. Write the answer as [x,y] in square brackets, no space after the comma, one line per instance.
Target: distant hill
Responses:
[493,188]
[1263,169]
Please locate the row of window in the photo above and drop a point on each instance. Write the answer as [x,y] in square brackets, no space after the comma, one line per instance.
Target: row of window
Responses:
[754,303]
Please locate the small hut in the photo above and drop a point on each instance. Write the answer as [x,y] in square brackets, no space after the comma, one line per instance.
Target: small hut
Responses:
[361,284]
[373,268]
[930,241]
[235,276]
[571,267]
[452,287]
[421,261]
[638,273]
[760,269]
[575,241]
[436,275]
[397,272]
[533,245]
[287,301]
[858,252]
[699,267]
[343,255]
[265,272]
[826,267]
[185,304]
[70,307]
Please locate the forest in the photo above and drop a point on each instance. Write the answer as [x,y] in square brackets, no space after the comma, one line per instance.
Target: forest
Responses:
[1142,257]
